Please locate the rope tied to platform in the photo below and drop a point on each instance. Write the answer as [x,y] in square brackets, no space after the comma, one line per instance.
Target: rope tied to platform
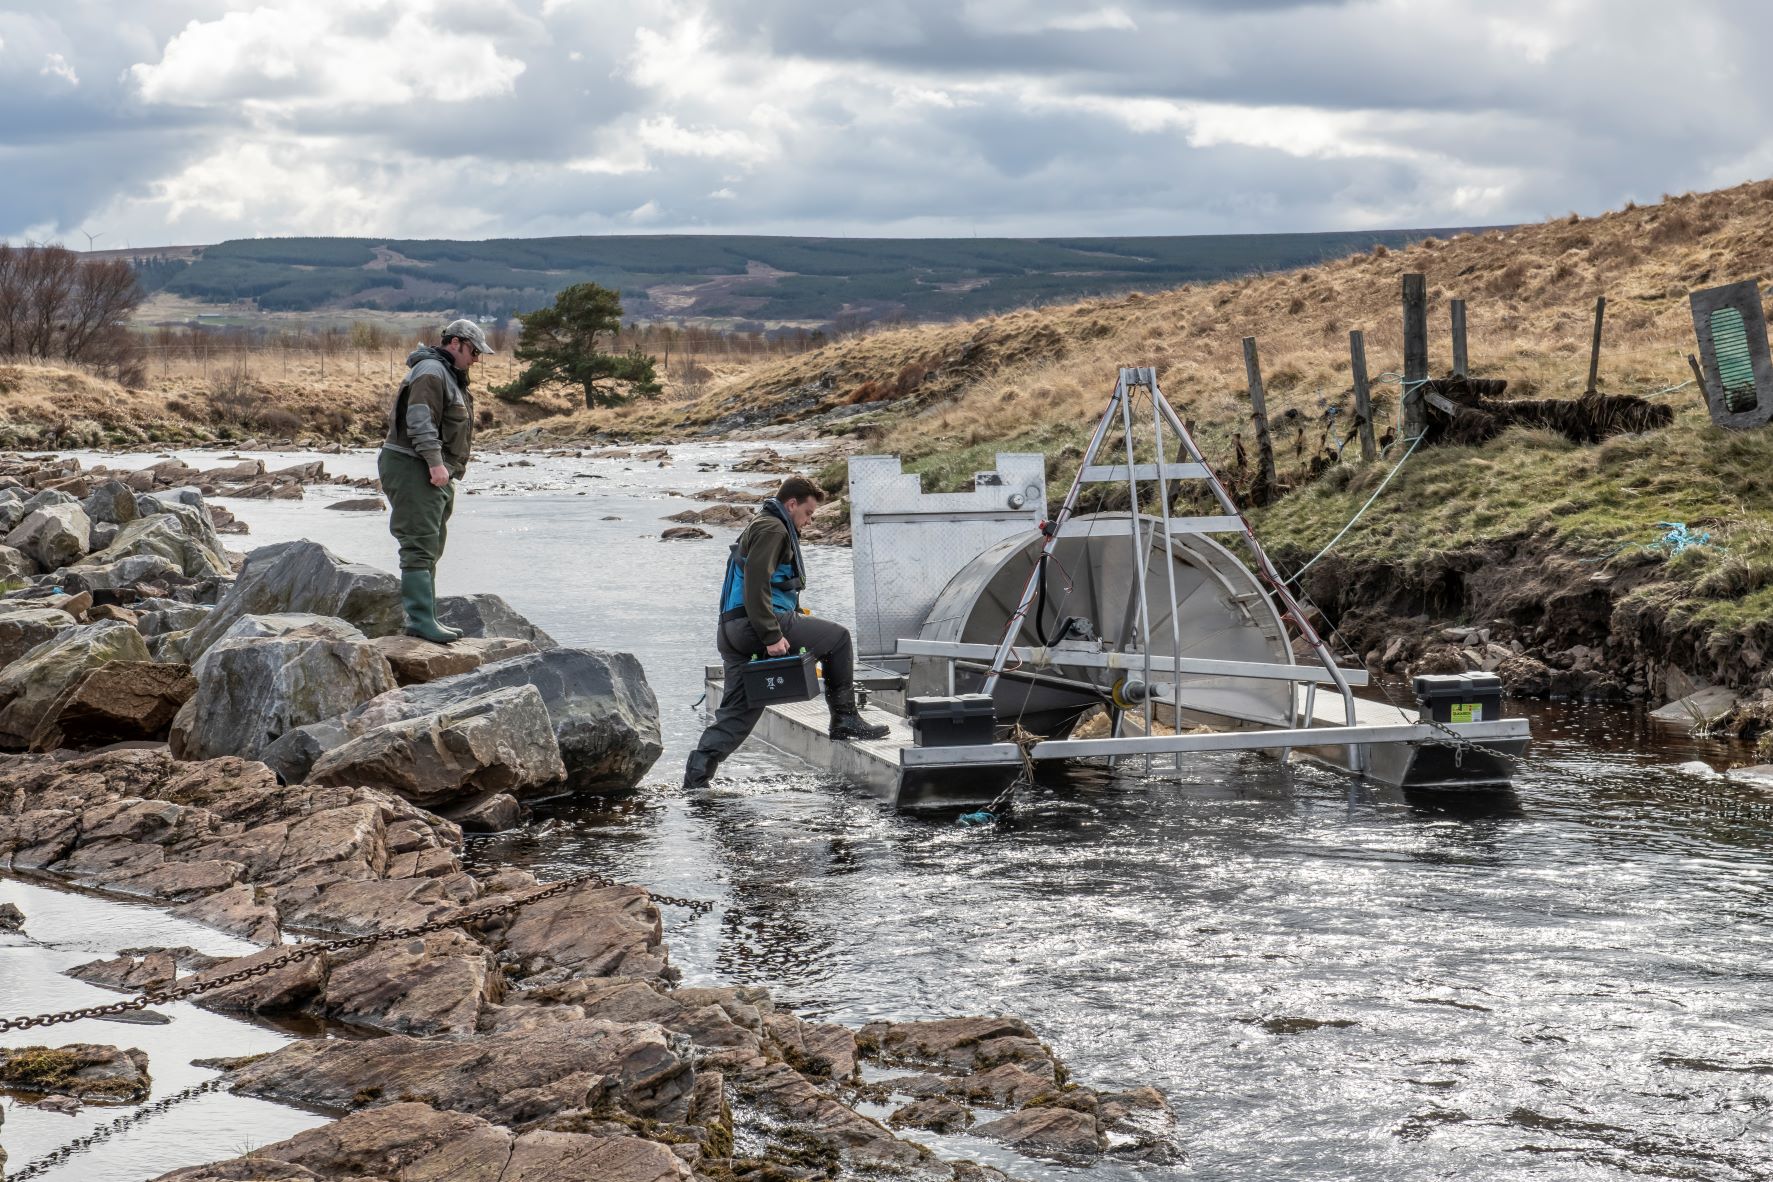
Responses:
[1024,739]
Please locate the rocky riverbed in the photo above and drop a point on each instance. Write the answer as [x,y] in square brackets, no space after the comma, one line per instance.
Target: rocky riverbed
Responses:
[244,740]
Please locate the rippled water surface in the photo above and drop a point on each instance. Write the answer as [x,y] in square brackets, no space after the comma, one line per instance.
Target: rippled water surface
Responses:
[1330,981]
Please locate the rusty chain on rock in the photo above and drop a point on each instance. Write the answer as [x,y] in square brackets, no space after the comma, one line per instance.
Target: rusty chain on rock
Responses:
[301,952]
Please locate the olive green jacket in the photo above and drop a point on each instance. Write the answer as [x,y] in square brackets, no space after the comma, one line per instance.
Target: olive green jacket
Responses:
[433,414]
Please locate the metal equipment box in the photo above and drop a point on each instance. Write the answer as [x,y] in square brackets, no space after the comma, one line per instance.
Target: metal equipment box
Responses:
[963,720]
[1459,697]
[794,678]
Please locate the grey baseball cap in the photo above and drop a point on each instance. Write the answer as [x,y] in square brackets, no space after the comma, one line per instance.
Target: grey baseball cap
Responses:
[468,331]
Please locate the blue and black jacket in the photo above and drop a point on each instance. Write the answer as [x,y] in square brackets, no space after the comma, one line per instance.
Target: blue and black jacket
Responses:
[765,573]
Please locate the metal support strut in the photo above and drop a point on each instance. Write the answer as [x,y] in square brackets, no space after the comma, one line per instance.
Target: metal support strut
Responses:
[1190,465]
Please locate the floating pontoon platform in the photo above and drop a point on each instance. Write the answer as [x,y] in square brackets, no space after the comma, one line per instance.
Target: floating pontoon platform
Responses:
[1145,615]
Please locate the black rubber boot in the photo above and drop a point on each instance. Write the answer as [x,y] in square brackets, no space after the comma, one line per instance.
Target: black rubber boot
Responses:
[846,721]
[699,770]
[419,597]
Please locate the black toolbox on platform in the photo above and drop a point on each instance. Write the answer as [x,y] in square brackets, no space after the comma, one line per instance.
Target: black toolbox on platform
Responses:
[963,720]
[794,678]
[1459,697]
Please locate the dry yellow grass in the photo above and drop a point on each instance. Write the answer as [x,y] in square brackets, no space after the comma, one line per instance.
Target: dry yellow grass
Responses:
[232,395]
[1043,374]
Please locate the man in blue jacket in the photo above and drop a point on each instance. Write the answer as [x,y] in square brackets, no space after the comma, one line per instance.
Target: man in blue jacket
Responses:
[759,616]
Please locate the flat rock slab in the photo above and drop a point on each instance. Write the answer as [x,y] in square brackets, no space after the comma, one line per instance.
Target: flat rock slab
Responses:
[589,931]
[417,661]
[508,1078]
[1048,1132]
[87,1071]
[1698,710]
[969,1043]
[415,1141]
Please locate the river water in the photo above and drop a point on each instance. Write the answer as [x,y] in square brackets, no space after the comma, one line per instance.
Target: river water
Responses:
[1569,981]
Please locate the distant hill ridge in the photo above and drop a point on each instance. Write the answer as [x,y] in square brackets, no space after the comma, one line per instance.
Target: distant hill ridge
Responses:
[769,280]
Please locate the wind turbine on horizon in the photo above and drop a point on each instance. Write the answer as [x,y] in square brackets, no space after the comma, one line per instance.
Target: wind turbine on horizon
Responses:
[91,238]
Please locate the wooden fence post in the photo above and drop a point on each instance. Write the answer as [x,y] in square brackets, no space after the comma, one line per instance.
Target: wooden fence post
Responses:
[1415,355]
[1461,362]
[1363,398]
[1265,478]
[1594,350]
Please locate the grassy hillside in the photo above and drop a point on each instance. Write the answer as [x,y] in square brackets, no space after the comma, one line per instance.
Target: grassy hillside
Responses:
[1557,522]
[771,280]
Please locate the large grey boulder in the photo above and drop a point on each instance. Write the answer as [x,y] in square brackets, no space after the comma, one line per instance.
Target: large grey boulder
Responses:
[488,615]
[48,498]
[16,566]
[606,719]
[188,506]
[112,576]
[30,686]
[270,674]
[306,577]
[172,617]
[502,741]
[163,535]
[112,503]
[24,626]
[53,536]
[11,513]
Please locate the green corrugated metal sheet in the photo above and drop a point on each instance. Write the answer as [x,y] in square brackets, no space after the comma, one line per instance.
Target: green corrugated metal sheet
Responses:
[1736,370]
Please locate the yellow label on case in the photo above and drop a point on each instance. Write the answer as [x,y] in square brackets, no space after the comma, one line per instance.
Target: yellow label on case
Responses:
[1467,712]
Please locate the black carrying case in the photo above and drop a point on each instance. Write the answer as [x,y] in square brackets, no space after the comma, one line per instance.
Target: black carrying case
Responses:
[1459,697]
[794,678]
[963,720]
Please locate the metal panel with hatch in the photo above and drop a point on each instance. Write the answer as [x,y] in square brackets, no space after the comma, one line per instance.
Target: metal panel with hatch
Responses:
[1737,367]
[907,544]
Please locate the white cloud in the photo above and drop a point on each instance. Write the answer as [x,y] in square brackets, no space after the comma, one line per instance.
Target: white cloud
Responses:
[290,56]
[1100,18]
[227,117]
[56,66]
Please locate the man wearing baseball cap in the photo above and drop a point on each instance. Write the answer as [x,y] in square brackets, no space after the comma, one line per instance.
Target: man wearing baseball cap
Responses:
[430,428]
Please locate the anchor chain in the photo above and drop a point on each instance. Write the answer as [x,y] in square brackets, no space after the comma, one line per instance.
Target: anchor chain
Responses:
[301,952]
[105,1132]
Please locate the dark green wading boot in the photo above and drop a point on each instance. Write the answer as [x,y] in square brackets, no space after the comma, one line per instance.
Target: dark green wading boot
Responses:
[846,720]
[418,595]
[699,770]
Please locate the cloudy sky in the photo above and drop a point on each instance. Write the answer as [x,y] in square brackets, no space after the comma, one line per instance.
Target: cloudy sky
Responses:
[189,121]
